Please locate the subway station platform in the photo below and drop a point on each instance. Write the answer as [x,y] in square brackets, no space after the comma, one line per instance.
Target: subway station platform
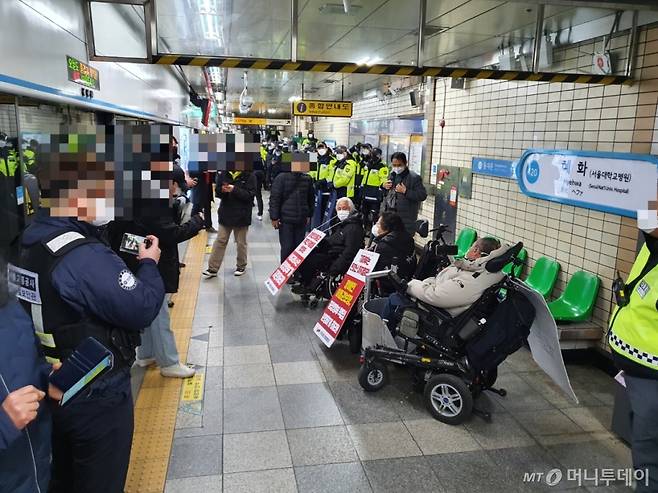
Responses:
[274,410]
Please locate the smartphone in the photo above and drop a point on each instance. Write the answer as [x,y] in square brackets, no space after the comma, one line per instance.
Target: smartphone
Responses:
[130,243]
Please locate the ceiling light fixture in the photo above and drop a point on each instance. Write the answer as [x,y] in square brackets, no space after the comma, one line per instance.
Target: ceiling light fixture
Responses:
[271,111]
[292,99]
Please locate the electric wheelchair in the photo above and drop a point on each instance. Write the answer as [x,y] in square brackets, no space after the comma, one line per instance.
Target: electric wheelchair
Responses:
[452,359]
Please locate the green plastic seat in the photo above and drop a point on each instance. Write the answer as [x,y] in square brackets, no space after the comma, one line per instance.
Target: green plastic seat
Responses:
[523,255]
[543,275]
[577,302]
[465,239]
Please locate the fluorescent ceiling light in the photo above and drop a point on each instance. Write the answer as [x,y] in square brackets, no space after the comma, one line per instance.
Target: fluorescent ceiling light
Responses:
[271,110]
[292,99]
[369,61]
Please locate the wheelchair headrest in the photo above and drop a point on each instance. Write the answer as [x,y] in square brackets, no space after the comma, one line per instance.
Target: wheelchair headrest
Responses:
[422,228]
[497,263]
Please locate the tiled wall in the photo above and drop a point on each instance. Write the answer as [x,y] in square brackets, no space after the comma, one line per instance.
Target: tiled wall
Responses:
[500,119]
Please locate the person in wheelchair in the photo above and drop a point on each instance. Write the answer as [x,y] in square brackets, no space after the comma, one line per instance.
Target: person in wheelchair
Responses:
[455,288]
[335,252]
[395,247]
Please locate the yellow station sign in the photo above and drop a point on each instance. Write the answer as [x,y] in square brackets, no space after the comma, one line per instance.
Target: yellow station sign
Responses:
[311,107]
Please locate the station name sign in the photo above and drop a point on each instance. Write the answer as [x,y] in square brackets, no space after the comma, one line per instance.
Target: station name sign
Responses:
[312,107]
[82,74]
[617,183]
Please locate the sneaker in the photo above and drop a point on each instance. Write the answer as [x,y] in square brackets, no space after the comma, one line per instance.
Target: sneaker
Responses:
[239,272]
[209,274]
[260,218]
[143,363]
[177,371]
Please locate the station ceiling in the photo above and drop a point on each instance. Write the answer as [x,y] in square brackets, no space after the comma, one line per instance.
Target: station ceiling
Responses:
[456,33]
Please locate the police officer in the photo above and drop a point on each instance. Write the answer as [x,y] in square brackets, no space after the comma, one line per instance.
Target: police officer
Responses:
[81,288]
[633,337]
[344,174]
[374,174]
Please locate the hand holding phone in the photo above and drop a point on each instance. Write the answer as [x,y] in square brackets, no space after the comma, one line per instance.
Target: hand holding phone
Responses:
[149,248]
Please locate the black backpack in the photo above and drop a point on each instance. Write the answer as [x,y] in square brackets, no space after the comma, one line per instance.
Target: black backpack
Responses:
[505,332]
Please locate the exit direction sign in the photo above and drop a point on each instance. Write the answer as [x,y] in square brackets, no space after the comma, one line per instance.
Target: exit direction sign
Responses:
[82,74]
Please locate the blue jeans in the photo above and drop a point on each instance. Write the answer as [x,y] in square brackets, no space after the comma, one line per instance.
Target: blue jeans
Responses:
[643,397]
[158,340]
[389,313]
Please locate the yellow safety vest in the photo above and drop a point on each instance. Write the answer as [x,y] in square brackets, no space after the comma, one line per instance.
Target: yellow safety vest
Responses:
[634,327]
[346,177]
[9,165]
[374,177]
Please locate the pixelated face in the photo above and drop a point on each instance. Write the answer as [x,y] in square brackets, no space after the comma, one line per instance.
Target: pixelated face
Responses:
[299,162]
[223,152]
[647,219]
[106,173]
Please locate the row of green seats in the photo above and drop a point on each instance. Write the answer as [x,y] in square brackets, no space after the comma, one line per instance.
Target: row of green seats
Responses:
[575,304]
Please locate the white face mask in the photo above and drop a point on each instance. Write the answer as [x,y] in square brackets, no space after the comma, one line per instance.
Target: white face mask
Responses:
[375,230]
[310,136]
[3,143]
[99,222]
[647,220]
[342,214]
[398,169]
[365,152]
[322,152]
[340,157]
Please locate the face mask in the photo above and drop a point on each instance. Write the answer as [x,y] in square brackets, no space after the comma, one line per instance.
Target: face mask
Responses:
[310,136]
[99,222]
[340,157]
[322,152]
[277,153]
[398,169]
[342,214]
[647,220]
[365,153]
[375,230]
[3,143]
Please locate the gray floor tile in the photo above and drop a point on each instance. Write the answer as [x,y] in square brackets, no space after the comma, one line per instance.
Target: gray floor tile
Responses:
[298,372]
[285,353]
[213,411]
[357,406]
[272,481]
[252,409]
[308,405]
[502,432]
[214,378]
[591,418]
[468,472]
[520,395]
[332,478]
[402,475]
[591,455]
[383,441]
[215,356]
[244,321]
[248,376]
[513,463]
[287,334]
[434,437]
[188,420]
[326,445]
[256,451]
[244,337]
[200,484]
[547,422]
[216,338]
[195,456]
[247,355]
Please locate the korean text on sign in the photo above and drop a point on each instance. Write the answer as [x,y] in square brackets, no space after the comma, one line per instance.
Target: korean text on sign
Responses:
[285,271]
[345,297]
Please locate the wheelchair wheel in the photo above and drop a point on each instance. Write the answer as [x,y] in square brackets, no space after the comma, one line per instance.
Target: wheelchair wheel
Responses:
[373,376]
[354,336]
[448,399]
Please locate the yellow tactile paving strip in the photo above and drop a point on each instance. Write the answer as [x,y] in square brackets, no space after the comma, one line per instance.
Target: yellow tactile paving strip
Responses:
[157,404]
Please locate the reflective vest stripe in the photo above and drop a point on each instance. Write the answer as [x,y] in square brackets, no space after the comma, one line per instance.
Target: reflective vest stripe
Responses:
[632,352]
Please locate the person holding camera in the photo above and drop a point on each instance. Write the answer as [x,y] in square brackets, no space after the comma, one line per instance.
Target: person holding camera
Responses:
[237,190]
[404,192]
[633,338]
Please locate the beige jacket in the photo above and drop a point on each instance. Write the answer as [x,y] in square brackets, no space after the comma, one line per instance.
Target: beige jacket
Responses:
[455,288]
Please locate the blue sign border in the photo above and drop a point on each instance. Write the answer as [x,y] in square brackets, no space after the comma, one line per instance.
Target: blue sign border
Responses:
[587,205]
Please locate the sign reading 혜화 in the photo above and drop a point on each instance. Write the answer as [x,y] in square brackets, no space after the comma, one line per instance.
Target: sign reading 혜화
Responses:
[609,182]
[311,107]
[82,74]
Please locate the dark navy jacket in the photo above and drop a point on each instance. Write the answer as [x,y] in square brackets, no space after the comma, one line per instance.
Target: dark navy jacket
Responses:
[24,455]
[87,278]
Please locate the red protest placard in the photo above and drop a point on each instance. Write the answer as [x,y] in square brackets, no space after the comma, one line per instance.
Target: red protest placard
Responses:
[345,297]
[280,276]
